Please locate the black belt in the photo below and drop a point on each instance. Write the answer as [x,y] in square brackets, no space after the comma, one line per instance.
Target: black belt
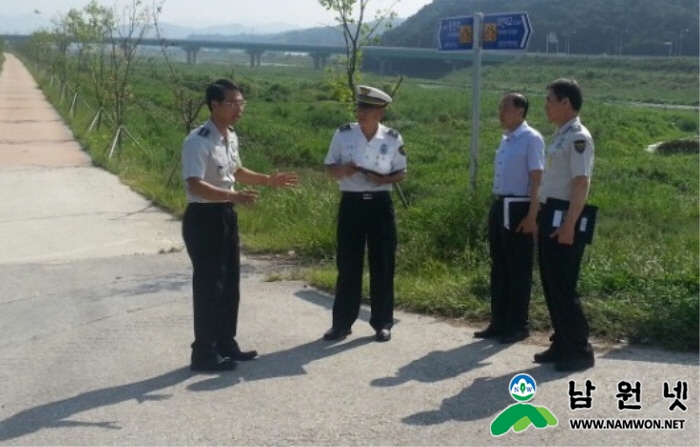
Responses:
[210,205]
[505,196]
[365,195]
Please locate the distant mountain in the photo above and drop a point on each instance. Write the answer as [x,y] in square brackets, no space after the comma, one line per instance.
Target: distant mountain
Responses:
[628,27]
[324,35]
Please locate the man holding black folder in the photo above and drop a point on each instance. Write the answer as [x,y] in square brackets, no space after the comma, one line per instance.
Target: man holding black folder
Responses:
[366,158]
[563,232]
[513,221]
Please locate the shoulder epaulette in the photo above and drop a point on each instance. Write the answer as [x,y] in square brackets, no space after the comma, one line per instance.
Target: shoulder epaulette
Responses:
[393,133]
[203,132]
[344,127]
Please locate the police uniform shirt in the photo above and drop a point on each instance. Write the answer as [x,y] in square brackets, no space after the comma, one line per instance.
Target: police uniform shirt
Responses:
[207,155]
[569,155]
[520,152]
[383,154]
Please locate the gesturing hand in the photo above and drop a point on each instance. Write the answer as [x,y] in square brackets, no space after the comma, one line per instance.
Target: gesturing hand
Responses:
[245,197]
[285,179]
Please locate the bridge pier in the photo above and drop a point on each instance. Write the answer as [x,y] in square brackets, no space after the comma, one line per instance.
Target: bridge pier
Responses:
[320,60]
[384,66]
[255,57]
[192,55]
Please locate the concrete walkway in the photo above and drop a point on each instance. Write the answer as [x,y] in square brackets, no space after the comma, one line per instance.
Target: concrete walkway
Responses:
[95,326]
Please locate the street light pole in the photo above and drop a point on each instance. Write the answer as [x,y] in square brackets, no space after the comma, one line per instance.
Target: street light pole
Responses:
[680,41]
[670,47]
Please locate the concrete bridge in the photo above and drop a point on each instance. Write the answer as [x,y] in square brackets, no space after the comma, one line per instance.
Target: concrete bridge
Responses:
[320,53]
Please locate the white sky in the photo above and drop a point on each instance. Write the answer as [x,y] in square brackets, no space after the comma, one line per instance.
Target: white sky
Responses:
[305,13]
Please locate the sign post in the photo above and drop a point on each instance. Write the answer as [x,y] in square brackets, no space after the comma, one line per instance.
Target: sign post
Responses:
[503,31]
[476,100]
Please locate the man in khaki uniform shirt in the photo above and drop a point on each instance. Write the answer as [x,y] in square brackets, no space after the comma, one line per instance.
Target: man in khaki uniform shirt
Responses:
[567,176]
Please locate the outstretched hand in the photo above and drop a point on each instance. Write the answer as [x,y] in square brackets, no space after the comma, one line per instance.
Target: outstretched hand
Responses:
[285,179]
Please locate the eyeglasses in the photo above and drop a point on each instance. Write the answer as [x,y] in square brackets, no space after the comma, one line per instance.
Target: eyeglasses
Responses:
[239,103]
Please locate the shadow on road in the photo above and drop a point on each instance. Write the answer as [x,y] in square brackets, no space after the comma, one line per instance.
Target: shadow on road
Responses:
[485,397]
[55,414]
[289,362]
[442,365]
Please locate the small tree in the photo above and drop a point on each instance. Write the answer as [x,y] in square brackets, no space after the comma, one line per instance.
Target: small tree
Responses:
[188,102]
[351,17]
[88,29]
[124,39]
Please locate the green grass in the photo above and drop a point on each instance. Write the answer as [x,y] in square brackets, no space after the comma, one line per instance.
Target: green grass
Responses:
[640,277]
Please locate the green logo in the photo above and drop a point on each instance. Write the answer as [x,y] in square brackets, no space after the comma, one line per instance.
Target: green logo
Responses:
[521,415]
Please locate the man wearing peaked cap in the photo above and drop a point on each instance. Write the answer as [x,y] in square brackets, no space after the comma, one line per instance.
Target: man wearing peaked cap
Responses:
[366,158]
[372,96]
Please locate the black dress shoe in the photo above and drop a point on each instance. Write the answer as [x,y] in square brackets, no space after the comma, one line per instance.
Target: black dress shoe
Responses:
[551,355]
[211,363]
[335,333]
[514,336]
[383,335]
[578,362]
[235,353]
[489,332]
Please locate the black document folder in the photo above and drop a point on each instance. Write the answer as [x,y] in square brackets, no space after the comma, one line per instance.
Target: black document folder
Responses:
[514,211]
[369,171]
[553,214]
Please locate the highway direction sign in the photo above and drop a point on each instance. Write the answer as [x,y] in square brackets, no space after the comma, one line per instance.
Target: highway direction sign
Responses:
[503,31]
[510,31]
[456,33]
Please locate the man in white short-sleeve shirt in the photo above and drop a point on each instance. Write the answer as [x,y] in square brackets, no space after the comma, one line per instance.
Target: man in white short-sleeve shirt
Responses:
[567,177]
[366,158]
[210,166]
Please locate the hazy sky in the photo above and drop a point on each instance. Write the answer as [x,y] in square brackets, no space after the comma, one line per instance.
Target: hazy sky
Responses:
[305,13]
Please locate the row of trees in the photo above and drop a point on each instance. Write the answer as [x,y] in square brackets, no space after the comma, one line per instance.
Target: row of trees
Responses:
[96,49]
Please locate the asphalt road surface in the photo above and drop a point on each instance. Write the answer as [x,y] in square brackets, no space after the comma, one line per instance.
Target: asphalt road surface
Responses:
[95,327]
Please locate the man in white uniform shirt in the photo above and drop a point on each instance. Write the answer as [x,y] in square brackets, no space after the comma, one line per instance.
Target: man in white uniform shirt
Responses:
[518,171]
[210,166]
[567,177]
[367,158]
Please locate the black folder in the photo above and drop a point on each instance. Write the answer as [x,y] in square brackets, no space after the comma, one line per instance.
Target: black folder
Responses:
[514,211]
[553,214]
[369,171]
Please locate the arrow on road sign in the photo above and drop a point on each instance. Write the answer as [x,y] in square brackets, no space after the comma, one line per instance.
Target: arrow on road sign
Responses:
[509,31]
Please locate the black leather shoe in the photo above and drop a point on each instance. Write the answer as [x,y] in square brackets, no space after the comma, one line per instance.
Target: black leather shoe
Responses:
[234,353]
[489,332]
[551,355]
[335,333]
[383,335]
[514,336]
[211,363]
[578,362]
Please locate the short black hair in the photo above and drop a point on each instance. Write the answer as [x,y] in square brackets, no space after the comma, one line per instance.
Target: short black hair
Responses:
[520,102]
[216,91]
[567,88]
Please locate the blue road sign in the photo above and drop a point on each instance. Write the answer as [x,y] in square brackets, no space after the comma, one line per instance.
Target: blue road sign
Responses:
[456,33]
[509,31]
[506,31]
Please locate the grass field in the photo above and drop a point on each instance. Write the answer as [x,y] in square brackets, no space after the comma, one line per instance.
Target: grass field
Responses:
[640,277]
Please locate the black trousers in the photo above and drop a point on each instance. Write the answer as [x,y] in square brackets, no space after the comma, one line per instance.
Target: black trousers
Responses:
[512,257]
[365,218]
[560,266]
[210,231]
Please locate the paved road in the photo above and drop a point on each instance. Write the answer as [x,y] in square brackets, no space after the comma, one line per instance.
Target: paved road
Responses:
[95,326]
